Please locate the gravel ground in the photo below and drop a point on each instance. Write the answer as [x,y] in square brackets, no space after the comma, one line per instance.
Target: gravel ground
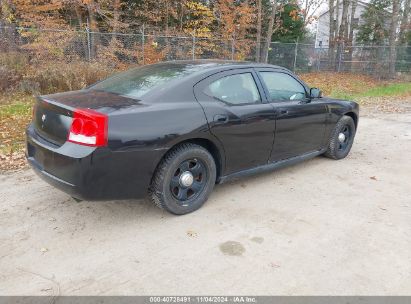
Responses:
[322,227]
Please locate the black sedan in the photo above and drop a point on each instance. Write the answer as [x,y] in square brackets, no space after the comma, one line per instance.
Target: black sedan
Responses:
[173,130]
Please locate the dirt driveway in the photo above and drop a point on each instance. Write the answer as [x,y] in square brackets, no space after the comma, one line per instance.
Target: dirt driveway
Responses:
[322,227]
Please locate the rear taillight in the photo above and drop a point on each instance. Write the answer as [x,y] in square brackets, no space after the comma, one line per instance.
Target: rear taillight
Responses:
[88,128]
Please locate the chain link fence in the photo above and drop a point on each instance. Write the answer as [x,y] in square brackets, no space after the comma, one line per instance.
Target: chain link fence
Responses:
[119,50]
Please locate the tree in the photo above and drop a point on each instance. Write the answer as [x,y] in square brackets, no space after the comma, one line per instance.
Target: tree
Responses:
[405,26]
[292,24]
[7,37]
[331,34]
[198,23]
[258,37]
[393,35]
[270,30]
[354,4]
[222,27]
[373,30]
[6,12]
[352,26]
[342,29]
[235,20]
[310,8]
[39,13]
[198,19]
[292,30]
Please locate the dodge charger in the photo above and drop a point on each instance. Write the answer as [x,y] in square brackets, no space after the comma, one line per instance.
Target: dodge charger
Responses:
[172,130]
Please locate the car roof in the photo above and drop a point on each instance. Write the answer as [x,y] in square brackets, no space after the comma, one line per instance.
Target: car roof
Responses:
[192,72]
[197,70]
[215,64]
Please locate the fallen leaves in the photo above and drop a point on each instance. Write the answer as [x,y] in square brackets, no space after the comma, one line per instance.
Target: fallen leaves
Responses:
[191,233]
[15,115]
[343,83]
[13,161]
[386,104]
[274,265]
[356,87]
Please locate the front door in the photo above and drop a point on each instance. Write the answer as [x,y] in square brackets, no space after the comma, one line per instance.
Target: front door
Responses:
[300,121]
[239,116]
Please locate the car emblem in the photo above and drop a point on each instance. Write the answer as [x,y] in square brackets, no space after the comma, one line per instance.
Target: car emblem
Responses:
[43,117]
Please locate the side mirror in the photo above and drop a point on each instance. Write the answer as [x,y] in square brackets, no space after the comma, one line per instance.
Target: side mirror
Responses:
[315,93]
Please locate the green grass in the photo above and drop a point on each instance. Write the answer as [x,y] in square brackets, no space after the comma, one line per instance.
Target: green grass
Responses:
[16,109]
[394,89]
[15,114]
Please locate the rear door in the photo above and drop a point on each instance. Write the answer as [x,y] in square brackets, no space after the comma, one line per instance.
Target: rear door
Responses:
[300,121]
[239,116]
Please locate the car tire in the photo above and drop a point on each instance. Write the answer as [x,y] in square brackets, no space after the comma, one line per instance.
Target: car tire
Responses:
[184,179]
[341,139]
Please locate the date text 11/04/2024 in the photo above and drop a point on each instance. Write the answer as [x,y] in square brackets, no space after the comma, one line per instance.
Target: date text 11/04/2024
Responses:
[203,299]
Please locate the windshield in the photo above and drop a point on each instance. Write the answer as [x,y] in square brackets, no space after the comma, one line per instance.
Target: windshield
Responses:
[139,81]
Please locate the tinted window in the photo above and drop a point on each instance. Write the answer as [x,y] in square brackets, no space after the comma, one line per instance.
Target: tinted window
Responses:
[234,89]
[139,81]
[283,87]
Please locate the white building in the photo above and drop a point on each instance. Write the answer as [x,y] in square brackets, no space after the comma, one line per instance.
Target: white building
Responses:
[323,24]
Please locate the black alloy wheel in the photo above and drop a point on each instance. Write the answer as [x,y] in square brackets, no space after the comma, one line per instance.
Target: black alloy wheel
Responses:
[184,179]
[341,139]
[189,180]
[344,137]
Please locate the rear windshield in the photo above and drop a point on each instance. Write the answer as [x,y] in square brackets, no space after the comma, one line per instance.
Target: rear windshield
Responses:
[139,81]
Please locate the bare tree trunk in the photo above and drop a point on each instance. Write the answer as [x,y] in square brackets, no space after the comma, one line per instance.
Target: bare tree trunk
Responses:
[270,31]
[167,17]
[181,16]
[167,20]
[92,23]
[342,30]
[337,17]
[79,16]
[115,23]
[331,38]
[7,34]
[91,9]
[351,32]
[116,16]
[347,22]
[258,38]
[354,4]
[405,22]
[306,9]
[393,36]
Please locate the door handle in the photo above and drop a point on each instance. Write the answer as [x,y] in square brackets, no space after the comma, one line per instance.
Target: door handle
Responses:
[283,111]
[220,118]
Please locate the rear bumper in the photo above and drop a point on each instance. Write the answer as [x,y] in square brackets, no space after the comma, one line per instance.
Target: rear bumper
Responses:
[58,183]
[90,173]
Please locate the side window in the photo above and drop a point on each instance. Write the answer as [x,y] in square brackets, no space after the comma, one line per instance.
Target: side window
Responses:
[234,89]
[283,87]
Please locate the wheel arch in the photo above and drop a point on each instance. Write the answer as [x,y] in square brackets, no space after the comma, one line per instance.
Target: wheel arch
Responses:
[215,150]
[354,117]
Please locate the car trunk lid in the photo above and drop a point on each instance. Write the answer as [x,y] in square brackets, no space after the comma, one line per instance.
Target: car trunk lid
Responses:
[52,121]
[53,114]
